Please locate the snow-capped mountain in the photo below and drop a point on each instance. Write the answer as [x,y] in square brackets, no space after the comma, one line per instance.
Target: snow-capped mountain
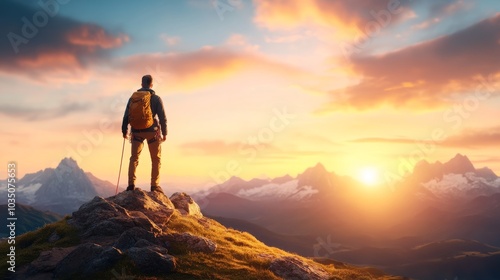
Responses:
[61,190]
[67,182]
[287,190]
[457,179]
[303,187]
[462,186]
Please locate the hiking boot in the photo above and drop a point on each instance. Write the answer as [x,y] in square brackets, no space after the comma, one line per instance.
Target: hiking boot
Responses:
[156,189]
[130,188]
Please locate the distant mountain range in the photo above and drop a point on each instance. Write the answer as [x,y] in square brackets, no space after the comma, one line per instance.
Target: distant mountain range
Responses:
[28,218]
[61,190]
[441,207]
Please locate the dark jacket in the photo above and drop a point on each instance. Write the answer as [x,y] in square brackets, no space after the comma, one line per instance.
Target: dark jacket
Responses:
[156,108]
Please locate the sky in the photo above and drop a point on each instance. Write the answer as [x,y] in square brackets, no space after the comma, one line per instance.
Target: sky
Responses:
[258,88]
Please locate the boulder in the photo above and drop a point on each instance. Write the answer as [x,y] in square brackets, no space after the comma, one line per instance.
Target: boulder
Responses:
[141,243]
[54,237]
[98,209]
[192,243]
[152,260]
[296,269]
[156,206]
[86,260]
[48,260]
[116,214]
[130,237]
[186,205]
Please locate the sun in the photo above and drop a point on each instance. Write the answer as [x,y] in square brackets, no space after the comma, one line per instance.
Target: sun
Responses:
[369,176]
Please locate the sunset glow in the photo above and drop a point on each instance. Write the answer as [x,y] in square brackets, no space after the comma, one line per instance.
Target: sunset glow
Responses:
[369,176]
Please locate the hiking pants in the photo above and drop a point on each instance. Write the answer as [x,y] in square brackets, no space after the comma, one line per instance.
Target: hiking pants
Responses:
[154,150]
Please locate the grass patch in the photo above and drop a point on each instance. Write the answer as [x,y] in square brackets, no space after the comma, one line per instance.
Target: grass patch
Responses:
[31,244]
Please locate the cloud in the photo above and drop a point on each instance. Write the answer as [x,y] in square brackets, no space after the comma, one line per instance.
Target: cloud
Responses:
[93,37]
[39,114]
[427,24]
[206,66]
[240,42]
[347,18]
[42,45]
[475,139]
[426,75]
[170,40]
[448,7]
[489,137]
[438,10]
[383,140]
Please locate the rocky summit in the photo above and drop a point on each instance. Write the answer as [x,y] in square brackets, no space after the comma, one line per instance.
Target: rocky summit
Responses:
[146,235]
[131,225]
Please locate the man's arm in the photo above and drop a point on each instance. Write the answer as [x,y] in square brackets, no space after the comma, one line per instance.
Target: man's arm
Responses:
[160,111]
[125,121]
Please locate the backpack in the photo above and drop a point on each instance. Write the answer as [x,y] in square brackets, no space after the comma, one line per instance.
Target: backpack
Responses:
[140,115]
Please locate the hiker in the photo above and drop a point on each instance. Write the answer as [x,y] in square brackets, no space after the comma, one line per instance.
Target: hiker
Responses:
[142,109]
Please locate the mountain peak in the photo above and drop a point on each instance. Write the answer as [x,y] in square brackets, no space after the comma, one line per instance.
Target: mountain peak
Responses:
[68,162]
[460,157]
[319,166]
[318,169]
[460,164]
[64,188]
[316,176]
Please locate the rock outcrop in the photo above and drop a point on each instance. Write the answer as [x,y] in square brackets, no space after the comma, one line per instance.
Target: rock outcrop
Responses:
[186,205]
[192,243]
[131,225]
[296,269]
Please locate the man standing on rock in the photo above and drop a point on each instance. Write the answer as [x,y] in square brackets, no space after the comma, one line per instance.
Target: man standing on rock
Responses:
[141,112]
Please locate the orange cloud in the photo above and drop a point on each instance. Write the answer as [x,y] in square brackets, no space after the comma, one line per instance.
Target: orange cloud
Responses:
[50,60]
[203,67]
[347,18]
[474,139]
[489,137]
[384,140]
[426,75]
[93,36]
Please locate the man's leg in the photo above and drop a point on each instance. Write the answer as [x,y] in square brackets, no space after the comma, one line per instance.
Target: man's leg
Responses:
[154,146]
[137,145]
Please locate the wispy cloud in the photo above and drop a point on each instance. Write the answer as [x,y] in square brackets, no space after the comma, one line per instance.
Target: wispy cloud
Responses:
[478,138]
[170,40]
[383,140]
[206,66]
[41,114]
[475,139]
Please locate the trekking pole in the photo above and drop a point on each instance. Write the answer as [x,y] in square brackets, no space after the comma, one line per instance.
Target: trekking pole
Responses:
[120,172]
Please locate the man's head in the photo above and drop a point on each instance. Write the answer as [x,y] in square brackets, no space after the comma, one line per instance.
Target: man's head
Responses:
[147,81]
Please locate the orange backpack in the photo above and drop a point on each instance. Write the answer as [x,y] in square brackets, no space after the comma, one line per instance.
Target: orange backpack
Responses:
[140,115]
